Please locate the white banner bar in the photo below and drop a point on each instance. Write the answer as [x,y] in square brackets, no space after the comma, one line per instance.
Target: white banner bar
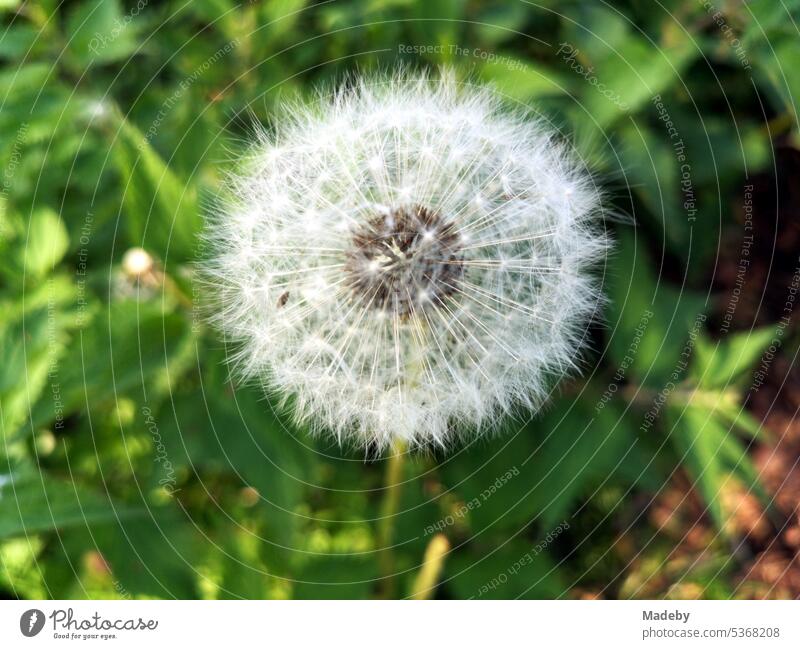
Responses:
[369,624]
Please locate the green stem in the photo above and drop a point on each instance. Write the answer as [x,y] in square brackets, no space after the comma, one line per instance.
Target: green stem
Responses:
[432,564]
[389,508]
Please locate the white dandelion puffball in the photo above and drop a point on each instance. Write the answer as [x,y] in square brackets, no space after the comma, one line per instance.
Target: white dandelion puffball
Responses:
[407,259]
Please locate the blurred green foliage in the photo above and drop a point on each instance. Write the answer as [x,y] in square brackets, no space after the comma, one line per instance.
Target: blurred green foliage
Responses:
[132,467]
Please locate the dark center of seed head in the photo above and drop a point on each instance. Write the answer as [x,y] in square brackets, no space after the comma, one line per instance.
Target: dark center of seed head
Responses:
[405,260]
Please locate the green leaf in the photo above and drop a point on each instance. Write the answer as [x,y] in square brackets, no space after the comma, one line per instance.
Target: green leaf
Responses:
[539,472]
[698,439]
[653,171]
[57,293]
[725,363]
[17,40]
[500,23]
[24,81]
[162,211]
[783,74]
[156,556]
[239,434]
[524,80]
[129,348]
[33,503]
[30,347]
[99,31]
[651,322]
[582,450]
[636,72]
[711,453]
[47,242]
[596,30]
[737,417]
[765,18]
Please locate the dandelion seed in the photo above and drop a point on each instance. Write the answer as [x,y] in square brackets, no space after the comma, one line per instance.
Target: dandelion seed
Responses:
[420,270]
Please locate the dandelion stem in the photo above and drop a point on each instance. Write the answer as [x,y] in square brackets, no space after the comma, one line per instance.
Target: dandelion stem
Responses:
[428,577]
[386,526]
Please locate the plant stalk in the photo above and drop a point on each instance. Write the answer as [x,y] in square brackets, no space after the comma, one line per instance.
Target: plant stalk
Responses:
[386,526]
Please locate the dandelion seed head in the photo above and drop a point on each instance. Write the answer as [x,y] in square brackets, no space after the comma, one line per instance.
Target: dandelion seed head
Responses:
[407,259]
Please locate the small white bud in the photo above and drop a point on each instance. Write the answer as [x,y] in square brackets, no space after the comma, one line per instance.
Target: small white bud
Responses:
[137,262]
